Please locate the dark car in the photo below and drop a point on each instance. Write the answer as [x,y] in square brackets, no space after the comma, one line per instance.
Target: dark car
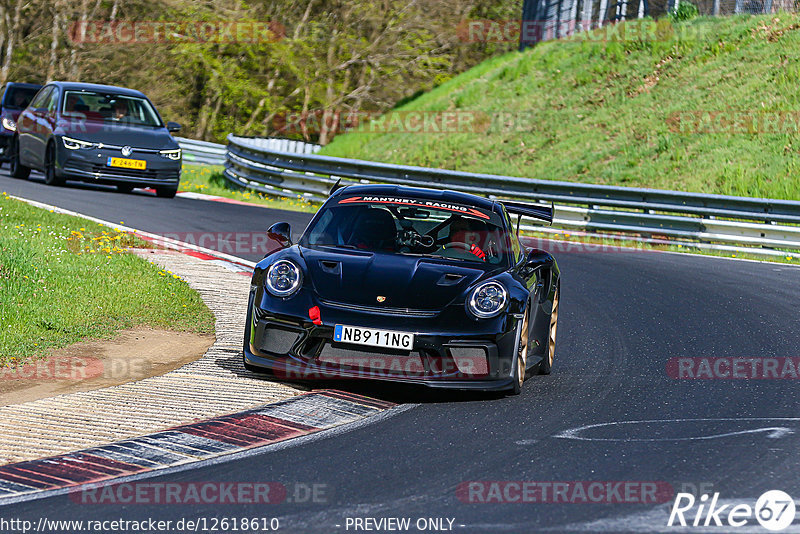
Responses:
[406,284]
[16,97]
[97,133]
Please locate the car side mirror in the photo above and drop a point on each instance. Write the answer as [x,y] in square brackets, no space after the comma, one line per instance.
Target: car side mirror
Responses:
[536,259]
[173,127]
[282,233]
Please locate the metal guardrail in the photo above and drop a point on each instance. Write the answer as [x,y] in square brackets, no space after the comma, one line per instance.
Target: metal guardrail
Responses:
[206,153]
[753,222]
[201,152]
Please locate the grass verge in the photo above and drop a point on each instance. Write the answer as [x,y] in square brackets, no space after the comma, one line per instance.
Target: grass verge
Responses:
[64,279]
[708,105]
[208,179]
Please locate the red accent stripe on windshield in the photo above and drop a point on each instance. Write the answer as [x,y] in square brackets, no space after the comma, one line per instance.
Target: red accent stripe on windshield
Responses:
[470,211]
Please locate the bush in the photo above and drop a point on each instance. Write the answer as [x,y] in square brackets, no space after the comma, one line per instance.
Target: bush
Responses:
[686,11]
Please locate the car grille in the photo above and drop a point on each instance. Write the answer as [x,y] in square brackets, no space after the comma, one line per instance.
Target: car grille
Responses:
[381,310]
[386,362]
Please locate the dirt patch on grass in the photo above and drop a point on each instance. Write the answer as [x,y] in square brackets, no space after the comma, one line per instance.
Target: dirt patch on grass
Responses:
[132,355]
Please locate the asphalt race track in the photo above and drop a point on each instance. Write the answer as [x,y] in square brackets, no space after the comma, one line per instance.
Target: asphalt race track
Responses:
[623,316]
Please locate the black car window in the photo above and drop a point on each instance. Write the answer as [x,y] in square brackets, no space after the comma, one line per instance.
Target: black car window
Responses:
[52,101]
[41,97]
[417,229]
[110,107]
[18,97]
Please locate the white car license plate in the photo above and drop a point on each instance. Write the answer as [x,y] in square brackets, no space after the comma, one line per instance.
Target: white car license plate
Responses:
[373,337]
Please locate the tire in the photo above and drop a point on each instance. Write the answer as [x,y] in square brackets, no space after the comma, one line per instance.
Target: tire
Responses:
[124,188]
[166,192]
[17,169]
[50,176]
[521,360]
[547,362]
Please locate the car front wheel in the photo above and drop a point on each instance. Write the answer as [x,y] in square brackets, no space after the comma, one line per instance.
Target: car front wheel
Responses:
[166,192]
[50,176]
[521,363]
[18,170]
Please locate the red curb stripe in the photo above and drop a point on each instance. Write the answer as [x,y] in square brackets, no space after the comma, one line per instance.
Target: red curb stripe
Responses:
[232,428]
[9,477]
[226,431]
[216,436]
[288,424]
[352,397]
[22,475]
[60,471]
[264,426]
[97,471]
[200,255]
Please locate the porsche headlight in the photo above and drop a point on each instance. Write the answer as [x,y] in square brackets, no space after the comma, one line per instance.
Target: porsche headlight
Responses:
[75,144]
[487,300]
[173,154]
[9,125]
[284,278]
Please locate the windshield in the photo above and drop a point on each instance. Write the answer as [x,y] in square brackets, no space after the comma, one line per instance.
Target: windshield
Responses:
[410,227]
[19,97]
[110,107]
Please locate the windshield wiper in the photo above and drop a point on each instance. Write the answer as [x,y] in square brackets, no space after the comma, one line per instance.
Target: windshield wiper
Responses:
[351,247]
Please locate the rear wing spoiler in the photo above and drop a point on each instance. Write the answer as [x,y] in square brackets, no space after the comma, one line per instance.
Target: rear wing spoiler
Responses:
[524,209]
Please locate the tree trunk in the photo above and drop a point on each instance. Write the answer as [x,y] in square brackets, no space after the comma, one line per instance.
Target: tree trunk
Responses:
[51,67]
[74,66]
[12,32]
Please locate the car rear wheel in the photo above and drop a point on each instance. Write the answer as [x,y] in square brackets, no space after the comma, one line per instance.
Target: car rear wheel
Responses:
[166,192]
[522,355]
[50,176]
[547,363]
[17,169]
[124,188]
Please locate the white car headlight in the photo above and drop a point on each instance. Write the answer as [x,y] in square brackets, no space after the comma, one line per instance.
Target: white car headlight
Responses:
[9,125]
[487,300]
[173,154]
[75,144]
[284,278]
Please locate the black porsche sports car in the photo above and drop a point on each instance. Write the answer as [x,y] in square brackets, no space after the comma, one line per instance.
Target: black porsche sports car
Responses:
[406,284]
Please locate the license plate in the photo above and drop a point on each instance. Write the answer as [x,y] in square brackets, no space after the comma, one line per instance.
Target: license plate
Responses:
[127,163]
[373,337]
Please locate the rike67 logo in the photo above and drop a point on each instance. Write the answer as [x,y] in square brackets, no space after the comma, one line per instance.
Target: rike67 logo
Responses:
[774,510]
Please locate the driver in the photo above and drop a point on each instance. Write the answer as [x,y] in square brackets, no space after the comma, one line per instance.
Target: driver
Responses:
[462,231]
[20,101]
[120,109]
